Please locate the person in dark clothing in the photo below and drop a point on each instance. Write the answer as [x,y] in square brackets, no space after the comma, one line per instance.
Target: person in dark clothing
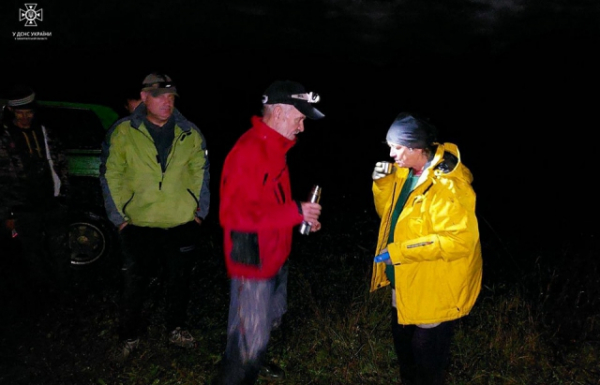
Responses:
[33,187]
[131,99]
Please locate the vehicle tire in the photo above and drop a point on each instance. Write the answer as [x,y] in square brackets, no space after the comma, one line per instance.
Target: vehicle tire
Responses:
[92,240]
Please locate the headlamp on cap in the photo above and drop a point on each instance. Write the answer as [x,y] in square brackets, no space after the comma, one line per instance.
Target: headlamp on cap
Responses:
[311,97]
[293,93]
[164,84]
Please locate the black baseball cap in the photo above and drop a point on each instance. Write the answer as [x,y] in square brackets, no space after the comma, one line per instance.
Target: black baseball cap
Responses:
[293,93]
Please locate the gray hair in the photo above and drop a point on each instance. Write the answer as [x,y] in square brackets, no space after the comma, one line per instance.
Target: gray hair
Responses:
[269,108]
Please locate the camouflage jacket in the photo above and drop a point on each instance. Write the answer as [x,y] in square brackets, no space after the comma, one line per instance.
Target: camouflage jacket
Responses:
[15,180]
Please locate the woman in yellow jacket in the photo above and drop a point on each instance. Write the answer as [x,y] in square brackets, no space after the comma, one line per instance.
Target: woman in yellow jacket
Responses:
[428,248]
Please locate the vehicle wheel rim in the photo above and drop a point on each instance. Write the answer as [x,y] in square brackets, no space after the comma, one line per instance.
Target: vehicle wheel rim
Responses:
[87,243]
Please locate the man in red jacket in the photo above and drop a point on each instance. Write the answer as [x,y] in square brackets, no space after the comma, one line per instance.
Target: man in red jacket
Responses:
[258,215]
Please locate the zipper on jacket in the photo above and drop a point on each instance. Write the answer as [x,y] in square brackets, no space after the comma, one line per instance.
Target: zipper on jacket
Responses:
[162,173]
[182,136]
[170,155]
[388,222]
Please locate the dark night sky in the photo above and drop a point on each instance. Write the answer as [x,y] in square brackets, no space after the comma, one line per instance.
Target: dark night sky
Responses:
[513,83]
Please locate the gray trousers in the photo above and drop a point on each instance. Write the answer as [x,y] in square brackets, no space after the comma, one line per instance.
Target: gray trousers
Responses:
[255,307]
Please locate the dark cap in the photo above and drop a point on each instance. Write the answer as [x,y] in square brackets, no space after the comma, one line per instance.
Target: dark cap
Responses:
[289,92]
[411,132]
[21,97]
[158,84]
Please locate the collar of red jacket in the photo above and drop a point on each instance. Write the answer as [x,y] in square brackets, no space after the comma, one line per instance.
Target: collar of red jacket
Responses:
[270,134]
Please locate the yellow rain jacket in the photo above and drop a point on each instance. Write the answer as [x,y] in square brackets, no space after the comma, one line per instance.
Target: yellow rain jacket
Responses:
[436,251]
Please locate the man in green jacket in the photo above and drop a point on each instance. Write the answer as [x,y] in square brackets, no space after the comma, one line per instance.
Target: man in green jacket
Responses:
[155,181]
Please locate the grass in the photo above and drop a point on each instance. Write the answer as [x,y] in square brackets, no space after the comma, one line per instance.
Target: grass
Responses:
[538,325]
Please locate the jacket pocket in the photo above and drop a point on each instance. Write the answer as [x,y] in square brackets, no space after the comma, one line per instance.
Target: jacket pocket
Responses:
[245,248]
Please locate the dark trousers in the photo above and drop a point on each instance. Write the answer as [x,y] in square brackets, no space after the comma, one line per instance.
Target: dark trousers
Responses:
[255,307]
[42,237]
[146,252]
[423,354]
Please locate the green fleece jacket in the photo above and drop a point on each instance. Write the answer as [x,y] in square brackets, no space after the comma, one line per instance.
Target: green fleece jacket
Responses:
[136,189]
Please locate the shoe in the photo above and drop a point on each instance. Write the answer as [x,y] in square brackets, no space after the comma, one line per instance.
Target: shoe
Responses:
[182,338]
[125,349]
[270,371]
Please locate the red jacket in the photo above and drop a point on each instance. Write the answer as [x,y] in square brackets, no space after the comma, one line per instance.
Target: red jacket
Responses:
[256,205]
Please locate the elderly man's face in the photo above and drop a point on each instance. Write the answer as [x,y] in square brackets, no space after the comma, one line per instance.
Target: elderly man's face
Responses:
[290,122]
[160,108]
[23,118]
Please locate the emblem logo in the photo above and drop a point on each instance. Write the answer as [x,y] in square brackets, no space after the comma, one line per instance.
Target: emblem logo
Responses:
[31,14]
